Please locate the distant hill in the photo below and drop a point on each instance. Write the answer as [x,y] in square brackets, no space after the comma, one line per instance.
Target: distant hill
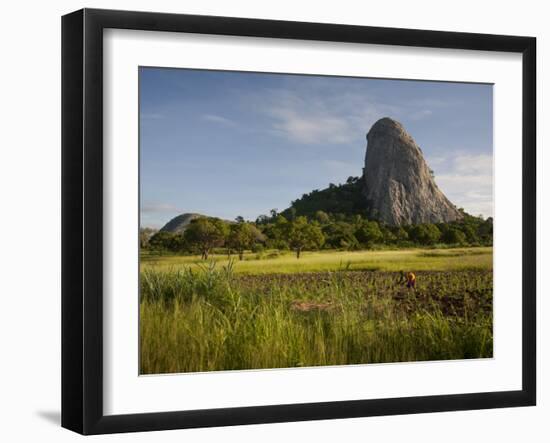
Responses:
[178,224]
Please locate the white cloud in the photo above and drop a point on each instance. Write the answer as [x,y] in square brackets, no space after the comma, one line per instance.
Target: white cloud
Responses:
[318,116]
[473,164]
[468,182]
[311,128]
[218,119]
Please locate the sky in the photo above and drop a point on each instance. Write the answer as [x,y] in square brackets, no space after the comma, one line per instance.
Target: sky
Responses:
[230,144]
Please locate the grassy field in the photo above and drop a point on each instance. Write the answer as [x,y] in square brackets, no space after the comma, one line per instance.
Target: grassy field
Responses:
[275,262]
[327,308]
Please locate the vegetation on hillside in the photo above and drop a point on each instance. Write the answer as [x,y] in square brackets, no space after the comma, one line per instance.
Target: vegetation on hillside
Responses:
[347,198]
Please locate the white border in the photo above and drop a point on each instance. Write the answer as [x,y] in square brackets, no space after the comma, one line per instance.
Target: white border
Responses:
[126,392]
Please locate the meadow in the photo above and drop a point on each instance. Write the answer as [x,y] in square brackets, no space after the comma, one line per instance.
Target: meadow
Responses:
[272,310]
[274,261]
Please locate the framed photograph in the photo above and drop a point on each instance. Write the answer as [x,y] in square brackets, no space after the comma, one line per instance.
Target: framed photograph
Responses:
[269,221]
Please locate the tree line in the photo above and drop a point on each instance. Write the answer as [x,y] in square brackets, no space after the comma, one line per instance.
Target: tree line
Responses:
[321,231]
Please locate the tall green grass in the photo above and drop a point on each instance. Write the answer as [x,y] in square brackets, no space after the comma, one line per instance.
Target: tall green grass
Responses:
[207,318]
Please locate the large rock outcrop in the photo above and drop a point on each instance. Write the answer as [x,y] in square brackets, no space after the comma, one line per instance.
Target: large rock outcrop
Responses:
[399,187]
[179,224]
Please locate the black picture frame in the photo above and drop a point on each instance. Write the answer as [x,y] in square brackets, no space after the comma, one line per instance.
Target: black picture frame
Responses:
[82,219]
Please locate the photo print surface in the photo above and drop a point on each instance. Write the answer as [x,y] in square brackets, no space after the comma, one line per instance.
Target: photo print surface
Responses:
[299,220]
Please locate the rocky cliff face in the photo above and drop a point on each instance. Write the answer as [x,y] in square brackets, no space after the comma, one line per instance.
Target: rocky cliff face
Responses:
[399,187]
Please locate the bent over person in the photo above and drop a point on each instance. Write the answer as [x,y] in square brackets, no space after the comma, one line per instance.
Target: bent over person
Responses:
[411,280]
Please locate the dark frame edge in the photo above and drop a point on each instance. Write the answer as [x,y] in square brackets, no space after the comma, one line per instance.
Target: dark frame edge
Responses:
[529,219]
[72,225]
[309,411]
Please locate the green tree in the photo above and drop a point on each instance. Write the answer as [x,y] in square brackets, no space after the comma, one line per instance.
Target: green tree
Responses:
[453,236]
[242,236]
[369,233]
[275,233]
[166,241]
[470,232]
[292,213]
[400,233]
[425,234]
[485,231]
[388,237]
[322,217]
[304,235]
[340,234]
[203,234]
[262,219]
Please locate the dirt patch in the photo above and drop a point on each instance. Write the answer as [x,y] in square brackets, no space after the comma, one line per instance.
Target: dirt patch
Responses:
[304,306]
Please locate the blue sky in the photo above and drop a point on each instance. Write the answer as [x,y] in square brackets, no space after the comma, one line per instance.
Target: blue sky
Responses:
[233,143]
